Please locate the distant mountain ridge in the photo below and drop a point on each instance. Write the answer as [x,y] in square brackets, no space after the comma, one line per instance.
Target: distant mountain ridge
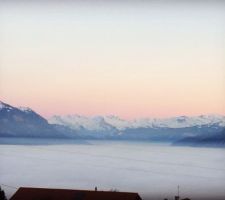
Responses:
[24,122]
[105,122]
[168,129]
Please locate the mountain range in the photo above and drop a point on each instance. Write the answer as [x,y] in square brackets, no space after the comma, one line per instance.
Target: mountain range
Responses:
[24,122]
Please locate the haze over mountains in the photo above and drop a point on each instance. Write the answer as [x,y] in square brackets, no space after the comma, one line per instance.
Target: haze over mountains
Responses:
[24,122]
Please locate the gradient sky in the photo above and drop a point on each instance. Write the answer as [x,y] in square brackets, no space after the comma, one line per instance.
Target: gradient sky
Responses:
[136,59]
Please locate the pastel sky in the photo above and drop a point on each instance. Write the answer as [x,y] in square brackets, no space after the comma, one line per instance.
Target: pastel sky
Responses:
[131,59]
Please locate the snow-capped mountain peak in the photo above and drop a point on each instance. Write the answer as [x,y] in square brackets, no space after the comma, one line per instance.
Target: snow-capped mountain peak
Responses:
[77,122]
[27,123]
[102,123]
[5,106]
[9,108]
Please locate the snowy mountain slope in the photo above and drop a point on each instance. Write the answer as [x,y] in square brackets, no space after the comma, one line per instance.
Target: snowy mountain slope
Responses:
[78,122]
[168,129]
[107,122]
[24,122]
[86,127]
[6,107]
[25,109]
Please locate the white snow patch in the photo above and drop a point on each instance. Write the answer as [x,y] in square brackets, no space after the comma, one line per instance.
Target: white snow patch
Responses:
[25,109]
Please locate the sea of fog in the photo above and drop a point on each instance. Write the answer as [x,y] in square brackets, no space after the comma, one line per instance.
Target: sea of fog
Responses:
[152,170]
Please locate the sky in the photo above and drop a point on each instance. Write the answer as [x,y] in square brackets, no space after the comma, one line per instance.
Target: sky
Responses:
[127,58]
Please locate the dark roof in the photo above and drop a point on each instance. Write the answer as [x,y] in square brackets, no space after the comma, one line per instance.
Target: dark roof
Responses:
[25,193]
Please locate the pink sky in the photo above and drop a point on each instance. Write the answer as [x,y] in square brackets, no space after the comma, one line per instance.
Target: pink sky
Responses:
[132,61]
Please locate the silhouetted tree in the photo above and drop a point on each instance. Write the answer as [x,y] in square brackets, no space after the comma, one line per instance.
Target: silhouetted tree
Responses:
[2,194]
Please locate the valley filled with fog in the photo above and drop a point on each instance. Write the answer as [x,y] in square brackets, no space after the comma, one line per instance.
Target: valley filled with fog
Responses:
[151,169]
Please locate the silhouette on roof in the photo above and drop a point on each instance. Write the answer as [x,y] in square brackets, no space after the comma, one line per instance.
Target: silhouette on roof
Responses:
[25,193]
